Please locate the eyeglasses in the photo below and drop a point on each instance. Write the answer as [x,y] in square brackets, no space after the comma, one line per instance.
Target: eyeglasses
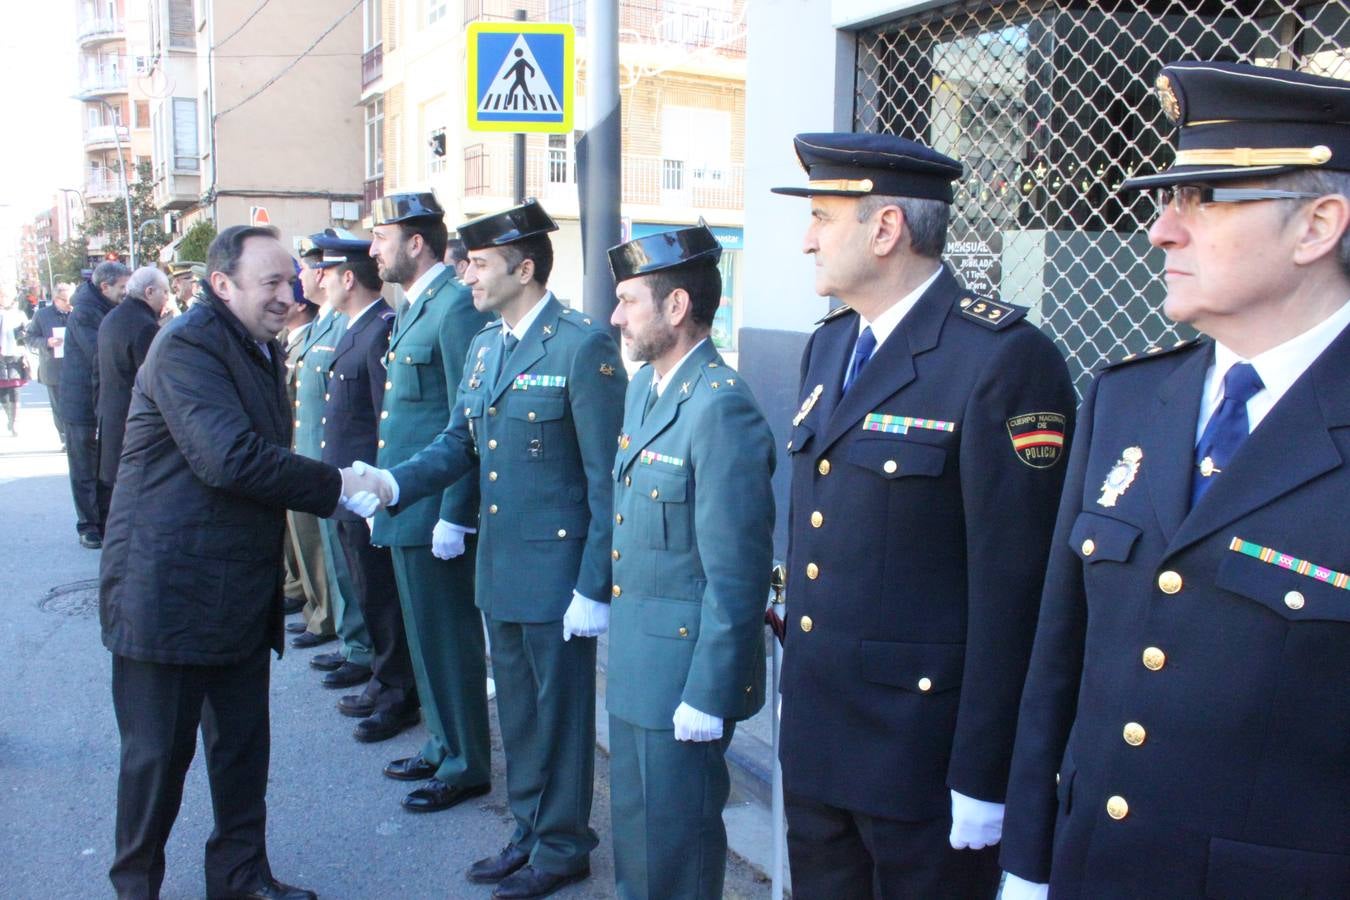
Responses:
[1187,198]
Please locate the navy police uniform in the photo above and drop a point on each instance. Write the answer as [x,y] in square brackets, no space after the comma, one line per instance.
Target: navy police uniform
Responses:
[1184,730]
[922,502]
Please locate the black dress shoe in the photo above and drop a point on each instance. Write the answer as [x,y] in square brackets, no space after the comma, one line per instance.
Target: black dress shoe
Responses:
[348,674]
[307,639]
[327,662]
[492,869]
[271,889]
[531,882]
[295,627]
[385,723]
[91,541]
[358,706]
[436,795]
[410,768]
[292,605]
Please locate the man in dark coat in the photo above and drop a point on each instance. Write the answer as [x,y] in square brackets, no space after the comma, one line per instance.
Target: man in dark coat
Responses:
[46,336]
[93,300]
[926,468]
[123,341]
[1184,729]
[190,582]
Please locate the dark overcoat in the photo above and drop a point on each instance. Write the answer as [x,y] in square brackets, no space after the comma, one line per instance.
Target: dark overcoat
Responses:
[123,341]
[43,325]
[79,367]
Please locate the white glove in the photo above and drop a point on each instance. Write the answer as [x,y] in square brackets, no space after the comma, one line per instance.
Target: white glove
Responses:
[447,540]
[585,618]
[1015,888]
[363,503]
[389,495]
[976,824]
[692,725]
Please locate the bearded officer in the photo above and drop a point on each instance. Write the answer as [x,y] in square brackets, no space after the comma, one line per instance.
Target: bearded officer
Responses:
[926,467]
[1184,729]
[541,403]
[433,541]
[686,645]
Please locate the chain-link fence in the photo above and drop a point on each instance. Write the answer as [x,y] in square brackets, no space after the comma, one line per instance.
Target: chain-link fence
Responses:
[1050,105]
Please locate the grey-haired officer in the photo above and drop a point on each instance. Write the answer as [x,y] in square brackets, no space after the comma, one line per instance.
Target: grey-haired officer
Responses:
[1184,729]
[540,405]
[693,544]
[433,541]
[926,469]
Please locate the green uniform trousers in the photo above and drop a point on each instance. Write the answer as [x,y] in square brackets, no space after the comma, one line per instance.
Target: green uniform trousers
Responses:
[305,549]
[666,798]
[347,618]
[445,640]
[546,708]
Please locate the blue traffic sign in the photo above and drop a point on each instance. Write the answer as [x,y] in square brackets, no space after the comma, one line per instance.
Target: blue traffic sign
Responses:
[521,76]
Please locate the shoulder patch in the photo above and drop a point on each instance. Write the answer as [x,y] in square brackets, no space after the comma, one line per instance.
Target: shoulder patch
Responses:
[1150,353]
[836,313]
[989,312]
[387,314]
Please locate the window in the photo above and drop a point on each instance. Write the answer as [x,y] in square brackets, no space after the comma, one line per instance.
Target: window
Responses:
[142,119]
[182,32]
[557,159]
[695,144]
[436,152]
[435,11]
[375,139]
[185,153]
[372,25]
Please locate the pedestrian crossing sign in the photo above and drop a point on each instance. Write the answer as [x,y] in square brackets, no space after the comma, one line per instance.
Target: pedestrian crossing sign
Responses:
[521,76]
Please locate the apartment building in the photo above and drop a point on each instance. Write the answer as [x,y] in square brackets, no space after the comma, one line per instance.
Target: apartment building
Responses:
[682,82]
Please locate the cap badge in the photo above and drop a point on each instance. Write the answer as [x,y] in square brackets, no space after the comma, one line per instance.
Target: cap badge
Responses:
[1121,476]
[1168,98]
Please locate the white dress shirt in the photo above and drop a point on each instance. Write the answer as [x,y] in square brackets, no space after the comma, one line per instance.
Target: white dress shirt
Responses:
[659,381]
[421,284]
[891,318]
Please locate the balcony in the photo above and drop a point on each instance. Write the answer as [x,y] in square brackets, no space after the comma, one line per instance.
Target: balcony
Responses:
[103,137]
[102,185]
[372,65]
[370,192]
[95,29]
[687,24]
[104,78]
[647,180]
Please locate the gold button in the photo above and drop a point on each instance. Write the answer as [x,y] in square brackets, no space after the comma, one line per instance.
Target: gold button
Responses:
[492,476]
[493,509]
[614,555]
[1117,808]
[749,688]
[684,632]
[407,359]
[381,442]
[384,414]
[616,590]
[823,467]
[562,532]
[297,403]
[1154,659]
[492,410]
[297,423]
[325,396]
[655,493]
[925,684]
[807,624]
[323,443]
[1294,600]
[388,385]
[889,466]
[530,415]
[628,481]
[812,571]
[323,421]
[1134,734]
[817,519]
[1089,547]
[391,356]
[492,444]
[618,518]
[342,377]
[1169,582]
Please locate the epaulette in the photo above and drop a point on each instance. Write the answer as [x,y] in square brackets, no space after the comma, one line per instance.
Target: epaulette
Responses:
[1150,353]
[578,319]
[988,312]
[838,311]
[719,375]
[495,323]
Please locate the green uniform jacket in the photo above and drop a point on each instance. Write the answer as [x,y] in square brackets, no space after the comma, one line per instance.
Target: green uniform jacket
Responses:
[425,362]
[310,381]
[693,547]
[545,428]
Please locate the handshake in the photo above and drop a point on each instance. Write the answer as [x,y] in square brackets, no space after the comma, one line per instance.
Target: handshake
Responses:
[366,489]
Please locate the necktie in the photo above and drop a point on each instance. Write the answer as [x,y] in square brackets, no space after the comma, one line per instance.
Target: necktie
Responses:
[509,342]
[862,352]
[651,401]
[1227,428]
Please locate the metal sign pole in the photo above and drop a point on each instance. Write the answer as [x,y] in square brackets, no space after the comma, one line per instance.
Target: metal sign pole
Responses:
[518,140]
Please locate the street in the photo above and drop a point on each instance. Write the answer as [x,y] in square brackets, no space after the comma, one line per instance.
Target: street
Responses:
[335,824]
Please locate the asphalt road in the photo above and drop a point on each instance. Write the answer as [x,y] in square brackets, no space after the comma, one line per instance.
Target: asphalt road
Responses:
[335,824]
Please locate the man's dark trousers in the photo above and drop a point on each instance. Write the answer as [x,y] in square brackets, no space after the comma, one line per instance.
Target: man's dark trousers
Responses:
[372,571]
[82,457]
[54,398]
[160,706]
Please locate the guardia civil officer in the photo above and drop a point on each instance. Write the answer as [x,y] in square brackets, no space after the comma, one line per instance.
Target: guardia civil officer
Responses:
[1184,728]
[540,405]
[356,375]
[434,542]
[693,545]
[926,468]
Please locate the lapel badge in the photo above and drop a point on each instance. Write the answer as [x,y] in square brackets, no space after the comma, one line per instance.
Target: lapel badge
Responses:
[548,329]
[482,351]
[1207,467]
[474,383]
[684,388]
[606,369]
[808,404]
[1121,476]
[624,441]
